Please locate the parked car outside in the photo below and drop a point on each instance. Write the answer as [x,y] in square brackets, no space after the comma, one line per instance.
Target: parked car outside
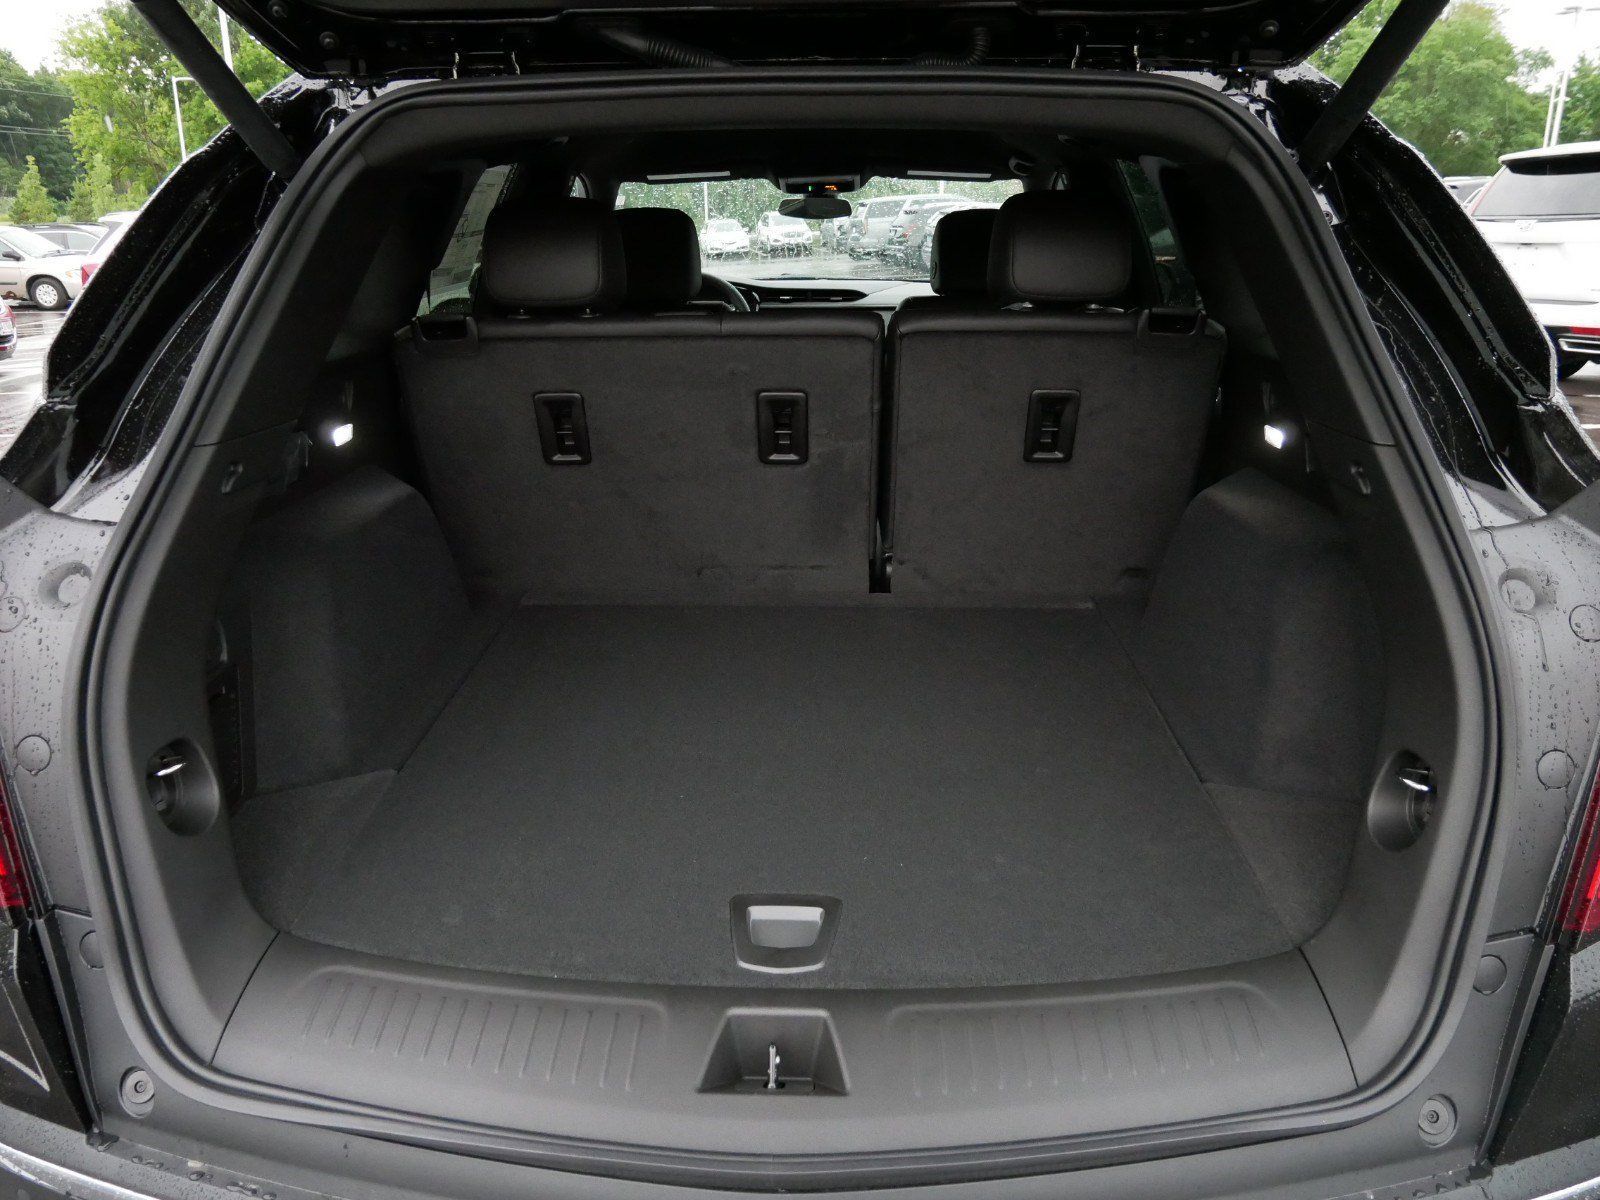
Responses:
[873,219]
[777,234]
[1465,187]
[96,257]
[8,330]
[879,216]
[77,238]
[910,239]
[722,237]
[35,269]
[831,235]
[1541,213]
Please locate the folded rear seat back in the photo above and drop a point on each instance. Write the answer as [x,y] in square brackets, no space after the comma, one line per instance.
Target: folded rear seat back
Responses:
[1044,451]
[577,454]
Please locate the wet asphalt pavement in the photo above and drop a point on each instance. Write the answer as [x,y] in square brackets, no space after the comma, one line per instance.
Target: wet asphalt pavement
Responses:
[1583,390]
[22,375]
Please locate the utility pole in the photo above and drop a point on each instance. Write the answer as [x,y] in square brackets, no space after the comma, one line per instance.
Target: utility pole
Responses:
[177,107]
[1556,110]
[177,111]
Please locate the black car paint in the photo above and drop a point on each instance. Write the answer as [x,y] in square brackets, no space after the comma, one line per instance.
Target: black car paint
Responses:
[1501,427]
[1481,374]
[113,375]
[386,39]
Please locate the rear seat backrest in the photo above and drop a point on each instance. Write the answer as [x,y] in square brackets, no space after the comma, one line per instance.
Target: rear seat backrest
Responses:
[675,502]
[985,505]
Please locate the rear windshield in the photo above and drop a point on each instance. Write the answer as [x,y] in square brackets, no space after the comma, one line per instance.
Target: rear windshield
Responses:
[1551,189]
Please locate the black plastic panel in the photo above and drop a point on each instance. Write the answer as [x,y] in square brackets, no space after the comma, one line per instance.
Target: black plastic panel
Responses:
[925,1069]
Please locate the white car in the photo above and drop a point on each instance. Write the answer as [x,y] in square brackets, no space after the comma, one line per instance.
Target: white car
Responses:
[1541,214]
[724,236]
[876,218]
[778,234]
[35,269]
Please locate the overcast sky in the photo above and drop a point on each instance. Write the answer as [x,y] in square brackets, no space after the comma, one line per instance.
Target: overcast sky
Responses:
[30,27]
[29,30]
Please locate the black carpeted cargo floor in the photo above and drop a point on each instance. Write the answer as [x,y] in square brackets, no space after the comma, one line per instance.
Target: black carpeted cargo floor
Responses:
[992,795]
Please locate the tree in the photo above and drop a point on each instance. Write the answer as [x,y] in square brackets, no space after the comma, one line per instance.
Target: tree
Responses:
[1581,121]
[1463,98]
[94,194]
[33,111]
[120,77]
[32,204]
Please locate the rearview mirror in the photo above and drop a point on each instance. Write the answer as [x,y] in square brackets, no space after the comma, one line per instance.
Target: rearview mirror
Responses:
[10,255]
[818,206]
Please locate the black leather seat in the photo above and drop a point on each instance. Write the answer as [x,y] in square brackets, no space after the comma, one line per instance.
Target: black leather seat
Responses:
[662,251]
[1043,448]
[672,414]
[959,270]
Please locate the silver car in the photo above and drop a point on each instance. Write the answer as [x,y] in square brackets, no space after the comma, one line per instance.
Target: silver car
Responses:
[35,269]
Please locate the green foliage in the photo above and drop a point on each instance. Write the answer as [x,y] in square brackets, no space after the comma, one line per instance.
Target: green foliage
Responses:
[1463,98]
[33,109]
[32,204]
[120,77]
[93,196]
[1581,121]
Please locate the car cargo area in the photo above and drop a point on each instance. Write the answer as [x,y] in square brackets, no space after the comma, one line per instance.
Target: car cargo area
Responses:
[590,689]
[993,796]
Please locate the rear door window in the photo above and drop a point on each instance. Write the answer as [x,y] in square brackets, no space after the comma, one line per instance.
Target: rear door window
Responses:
[1173,277]
[450,283]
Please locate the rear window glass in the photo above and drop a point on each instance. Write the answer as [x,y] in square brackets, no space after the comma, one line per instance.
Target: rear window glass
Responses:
[1552,189]
[450,283]
[1177,284]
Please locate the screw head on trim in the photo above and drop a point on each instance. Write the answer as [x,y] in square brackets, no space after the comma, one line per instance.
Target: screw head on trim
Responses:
[1437,1121]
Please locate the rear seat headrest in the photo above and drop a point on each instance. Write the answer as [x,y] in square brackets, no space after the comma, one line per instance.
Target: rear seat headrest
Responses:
[961,252]
[553,254]
[663,255]
[1061,247]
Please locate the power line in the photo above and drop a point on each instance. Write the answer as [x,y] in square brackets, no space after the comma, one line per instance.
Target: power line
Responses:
[9,87]
[33,130]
